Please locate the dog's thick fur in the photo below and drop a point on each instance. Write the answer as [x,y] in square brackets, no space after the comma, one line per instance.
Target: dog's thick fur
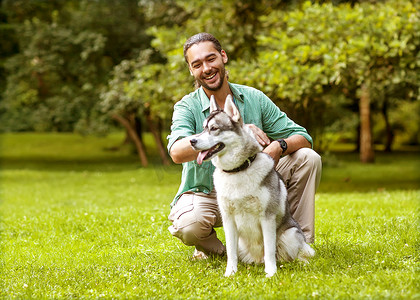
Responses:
[253,201]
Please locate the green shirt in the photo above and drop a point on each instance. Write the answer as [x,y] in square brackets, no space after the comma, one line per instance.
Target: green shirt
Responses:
[255,108]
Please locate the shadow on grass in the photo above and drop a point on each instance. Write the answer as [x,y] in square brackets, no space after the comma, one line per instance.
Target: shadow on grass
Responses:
[72,152]
[48,163]
[82,163]
[342,172]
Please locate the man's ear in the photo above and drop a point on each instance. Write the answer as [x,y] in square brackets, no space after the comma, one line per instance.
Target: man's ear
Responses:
[224,56]
[231,109]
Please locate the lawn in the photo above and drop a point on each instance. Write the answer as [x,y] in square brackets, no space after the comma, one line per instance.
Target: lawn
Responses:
[81,221]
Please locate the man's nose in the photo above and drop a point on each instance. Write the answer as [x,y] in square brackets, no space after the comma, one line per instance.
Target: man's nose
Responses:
[206,67]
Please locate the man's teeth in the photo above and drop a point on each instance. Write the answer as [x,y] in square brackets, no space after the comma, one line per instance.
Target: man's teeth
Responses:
[210,77]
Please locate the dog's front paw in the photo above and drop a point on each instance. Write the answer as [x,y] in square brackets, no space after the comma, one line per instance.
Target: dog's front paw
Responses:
[230,270]
[270,271]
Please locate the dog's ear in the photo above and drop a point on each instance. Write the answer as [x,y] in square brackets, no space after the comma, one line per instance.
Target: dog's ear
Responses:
[213,104]
[231,109]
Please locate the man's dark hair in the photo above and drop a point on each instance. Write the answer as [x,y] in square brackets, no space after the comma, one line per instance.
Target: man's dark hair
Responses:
[199,38]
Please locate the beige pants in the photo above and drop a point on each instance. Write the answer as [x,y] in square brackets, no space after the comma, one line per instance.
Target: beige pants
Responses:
[196,214]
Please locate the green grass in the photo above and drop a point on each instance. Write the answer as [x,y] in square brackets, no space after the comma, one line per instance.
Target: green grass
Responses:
[78,221]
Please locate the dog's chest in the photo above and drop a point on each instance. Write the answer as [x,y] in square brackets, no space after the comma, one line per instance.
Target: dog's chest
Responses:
[244,192]
[245,205]
[239,196]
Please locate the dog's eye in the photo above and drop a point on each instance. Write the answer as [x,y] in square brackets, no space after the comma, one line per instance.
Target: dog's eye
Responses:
[213,128]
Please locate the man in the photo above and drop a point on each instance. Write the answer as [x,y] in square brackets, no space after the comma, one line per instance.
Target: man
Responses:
[194,212]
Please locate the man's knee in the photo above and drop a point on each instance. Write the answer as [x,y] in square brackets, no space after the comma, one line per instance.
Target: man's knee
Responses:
[191,234]
[309,157]
[191,227]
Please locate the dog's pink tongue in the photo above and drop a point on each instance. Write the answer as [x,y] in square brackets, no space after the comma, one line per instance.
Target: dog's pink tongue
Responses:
[201,156]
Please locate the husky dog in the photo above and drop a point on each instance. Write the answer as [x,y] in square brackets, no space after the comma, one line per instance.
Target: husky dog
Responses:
[252,197]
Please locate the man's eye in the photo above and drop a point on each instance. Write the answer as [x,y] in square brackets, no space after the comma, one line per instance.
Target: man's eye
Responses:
[196,66]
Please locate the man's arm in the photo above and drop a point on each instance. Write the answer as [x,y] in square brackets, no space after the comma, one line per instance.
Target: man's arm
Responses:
[182,130]
[294,143]
[181,151]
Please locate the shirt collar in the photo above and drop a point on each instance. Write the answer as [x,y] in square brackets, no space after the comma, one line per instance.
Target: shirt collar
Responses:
[205,101]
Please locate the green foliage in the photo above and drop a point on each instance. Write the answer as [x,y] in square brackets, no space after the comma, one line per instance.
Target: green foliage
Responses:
[64,61]
[407,119]
[312,57]
[117,99]
[139,85]
[54,88]
[81,222]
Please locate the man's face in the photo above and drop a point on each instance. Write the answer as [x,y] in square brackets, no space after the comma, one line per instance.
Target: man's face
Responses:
[207,65]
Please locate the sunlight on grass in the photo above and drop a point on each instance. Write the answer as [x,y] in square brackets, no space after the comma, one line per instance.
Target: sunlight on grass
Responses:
[89,223]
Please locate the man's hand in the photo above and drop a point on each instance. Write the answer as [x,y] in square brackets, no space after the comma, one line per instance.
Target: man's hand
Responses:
[181,151]
[294,143]
[260,135]
[275,151]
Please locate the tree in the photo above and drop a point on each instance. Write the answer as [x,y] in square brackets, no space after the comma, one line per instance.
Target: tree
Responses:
[51,84]
[366,144]
[312,56]
[67,50]
[123,105]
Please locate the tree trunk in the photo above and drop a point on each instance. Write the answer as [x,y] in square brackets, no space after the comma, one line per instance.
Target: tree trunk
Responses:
[157,135]
[357,149]
[388,128]
[135,122]
[131,131]
[367,154]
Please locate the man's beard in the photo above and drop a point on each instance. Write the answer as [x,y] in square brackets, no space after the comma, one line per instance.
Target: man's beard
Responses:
[202,83]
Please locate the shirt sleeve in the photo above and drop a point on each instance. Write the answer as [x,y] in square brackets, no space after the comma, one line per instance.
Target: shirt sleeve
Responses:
[276,124]
[183,122]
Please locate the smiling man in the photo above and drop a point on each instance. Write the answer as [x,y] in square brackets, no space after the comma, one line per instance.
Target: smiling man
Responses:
[194,212]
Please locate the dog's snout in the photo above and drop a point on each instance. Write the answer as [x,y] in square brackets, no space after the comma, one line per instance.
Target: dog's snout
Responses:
[193,142]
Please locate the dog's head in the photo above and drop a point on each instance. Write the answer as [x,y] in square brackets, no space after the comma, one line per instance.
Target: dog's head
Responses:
[221,130]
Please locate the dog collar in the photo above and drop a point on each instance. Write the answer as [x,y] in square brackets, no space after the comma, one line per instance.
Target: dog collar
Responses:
[242,167]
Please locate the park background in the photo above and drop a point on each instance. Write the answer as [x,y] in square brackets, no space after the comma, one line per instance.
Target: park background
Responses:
[87,90]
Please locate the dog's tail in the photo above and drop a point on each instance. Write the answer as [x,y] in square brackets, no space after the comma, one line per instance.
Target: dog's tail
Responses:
[306,252]
[291,245]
